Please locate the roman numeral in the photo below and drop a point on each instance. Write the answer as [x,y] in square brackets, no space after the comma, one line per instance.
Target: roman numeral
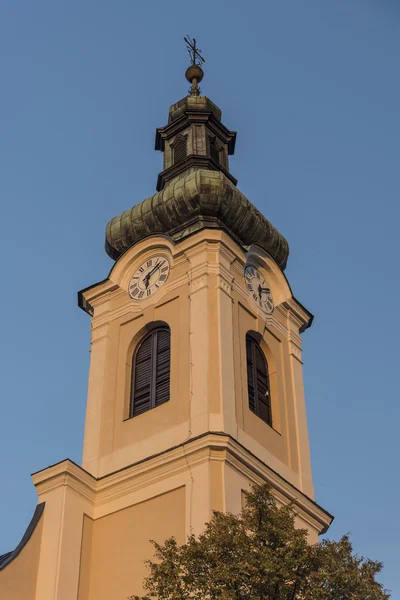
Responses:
[149,263]
[164,269]
[249,287]
[141,294]
[149,292]
[141,270]
[162,277]
[135,292]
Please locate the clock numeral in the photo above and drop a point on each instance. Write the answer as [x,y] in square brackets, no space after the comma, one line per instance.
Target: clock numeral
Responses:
[141,270]
[164,269]
[149,263]
[149,292]
[162,263]
[255,297]
[162,277]
[135,291]
[249,287]
[141,294]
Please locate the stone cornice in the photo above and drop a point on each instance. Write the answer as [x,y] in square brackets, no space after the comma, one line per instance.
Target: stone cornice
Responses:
[209,446]
[193,161]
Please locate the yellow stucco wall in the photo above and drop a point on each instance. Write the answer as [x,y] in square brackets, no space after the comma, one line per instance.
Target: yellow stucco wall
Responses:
[114,547]
[209,311]
[18,578]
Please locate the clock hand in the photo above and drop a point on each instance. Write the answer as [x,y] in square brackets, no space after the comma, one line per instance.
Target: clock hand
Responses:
[266,290]
[158,265]
[149,274]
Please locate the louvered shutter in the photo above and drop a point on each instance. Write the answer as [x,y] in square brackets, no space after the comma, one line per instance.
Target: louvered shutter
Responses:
[162,366]
[250,374]
[258,381]
[180,149]
[151,372]
[142,377]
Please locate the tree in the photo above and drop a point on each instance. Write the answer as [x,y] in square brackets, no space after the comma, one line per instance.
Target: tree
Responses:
[260,555]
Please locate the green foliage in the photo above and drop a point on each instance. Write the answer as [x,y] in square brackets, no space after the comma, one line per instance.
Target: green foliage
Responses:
[260,555]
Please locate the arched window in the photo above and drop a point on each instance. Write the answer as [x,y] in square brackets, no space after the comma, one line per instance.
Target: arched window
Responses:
[258,381]
[180,149]
[151,371]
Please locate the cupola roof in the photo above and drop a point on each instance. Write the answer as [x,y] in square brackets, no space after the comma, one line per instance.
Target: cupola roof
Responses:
[195,189]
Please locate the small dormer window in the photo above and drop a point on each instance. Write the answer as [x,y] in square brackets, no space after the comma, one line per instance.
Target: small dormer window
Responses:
[214,152]
[180,149]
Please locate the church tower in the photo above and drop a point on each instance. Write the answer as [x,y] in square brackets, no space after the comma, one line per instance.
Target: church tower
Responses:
[195,384]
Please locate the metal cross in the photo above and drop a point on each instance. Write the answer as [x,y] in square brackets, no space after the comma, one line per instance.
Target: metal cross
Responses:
[194,52]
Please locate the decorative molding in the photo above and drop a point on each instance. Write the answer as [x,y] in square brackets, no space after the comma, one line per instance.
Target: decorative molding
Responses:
[186,456]
[99,332]
[198,284]
[225,286]
[295,351]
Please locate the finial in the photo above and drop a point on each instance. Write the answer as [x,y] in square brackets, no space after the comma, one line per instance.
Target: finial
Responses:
[194,74]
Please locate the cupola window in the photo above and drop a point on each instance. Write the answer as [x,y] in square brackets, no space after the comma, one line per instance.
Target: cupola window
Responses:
[180,149]
[214,152]
[151,371]
[258,381]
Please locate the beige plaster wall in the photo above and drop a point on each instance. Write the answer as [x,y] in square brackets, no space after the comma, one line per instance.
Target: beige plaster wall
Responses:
[115,546]
[18,578]
[207,307]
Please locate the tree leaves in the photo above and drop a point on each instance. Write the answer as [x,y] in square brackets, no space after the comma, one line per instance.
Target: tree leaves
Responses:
[260,555]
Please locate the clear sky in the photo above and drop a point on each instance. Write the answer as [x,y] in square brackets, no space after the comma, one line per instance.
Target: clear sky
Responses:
[313,90]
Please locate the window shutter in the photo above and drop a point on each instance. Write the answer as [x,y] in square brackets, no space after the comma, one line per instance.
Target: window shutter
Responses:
[163,366]
[258,381]
[151,372]
[142,377]
[250,375]
[180,149]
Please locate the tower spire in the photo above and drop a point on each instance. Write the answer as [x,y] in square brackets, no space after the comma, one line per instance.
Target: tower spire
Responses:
[194,73]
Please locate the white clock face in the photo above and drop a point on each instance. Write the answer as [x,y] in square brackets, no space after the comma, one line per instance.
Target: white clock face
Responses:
[258,289]
[149,277]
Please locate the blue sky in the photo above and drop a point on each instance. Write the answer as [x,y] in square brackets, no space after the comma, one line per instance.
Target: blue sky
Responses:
[313,90]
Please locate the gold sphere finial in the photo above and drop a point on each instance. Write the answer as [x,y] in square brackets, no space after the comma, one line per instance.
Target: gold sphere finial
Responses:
[194,74]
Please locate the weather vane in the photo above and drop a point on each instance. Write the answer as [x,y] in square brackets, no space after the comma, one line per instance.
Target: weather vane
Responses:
[194,73]
[194,52]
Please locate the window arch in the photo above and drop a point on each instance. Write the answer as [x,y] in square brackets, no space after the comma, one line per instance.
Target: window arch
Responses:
[151,371]
[258,381]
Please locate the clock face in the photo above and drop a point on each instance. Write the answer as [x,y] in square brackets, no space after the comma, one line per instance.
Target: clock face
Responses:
[149,277]
[258,289]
